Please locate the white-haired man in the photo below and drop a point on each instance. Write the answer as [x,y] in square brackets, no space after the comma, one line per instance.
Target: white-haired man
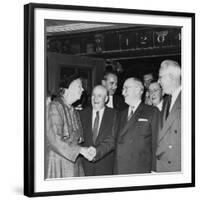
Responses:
[99,132]
[169,139]
[137,132]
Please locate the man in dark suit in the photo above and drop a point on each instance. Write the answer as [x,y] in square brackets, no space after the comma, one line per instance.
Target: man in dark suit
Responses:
[110,83]
[99,133]
[147,78]
[169,139]
[137,132]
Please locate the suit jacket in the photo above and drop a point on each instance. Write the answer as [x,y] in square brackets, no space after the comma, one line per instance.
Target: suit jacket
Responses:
[169,141]
[119,103]
[136,143]
[105,142]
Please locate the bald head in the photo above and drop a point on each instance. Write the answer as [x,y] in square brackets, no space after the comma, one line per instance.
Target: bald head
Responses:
[99,97]
[155,93]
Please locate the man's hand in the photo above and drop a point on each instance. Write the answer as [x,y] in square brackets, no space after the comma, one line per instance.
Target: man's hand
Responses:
[92,152]
[88,152]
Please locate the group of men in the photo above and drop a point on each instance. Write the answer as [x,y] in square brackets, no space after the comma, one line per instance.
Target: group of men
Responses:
[128,136]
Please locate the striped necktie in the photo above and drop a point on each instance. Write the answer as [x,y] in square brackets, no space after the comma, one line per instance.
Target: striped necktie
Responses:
[95,127]
[131,113]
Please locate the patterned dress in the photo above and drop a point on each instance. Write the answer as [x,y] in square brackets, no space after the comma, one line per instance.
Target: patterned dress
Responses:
[63,136]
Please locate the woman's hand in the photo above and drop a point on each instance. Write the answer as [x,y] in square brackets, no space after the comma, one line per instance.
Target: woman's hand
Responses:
[88,152]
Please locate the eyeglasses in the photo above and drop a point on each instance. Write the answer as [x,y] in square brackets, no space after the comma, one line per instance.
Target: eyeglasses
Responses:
[153,91]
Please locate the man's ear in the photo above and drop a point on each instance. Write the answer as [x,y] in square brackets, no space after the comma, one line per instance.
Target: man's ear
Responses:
[103,82]
[64,91]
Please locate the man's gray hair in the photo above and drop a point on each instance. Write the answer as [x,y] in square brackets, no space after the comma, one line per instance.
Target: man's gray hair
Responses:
[172,67]
[138,83]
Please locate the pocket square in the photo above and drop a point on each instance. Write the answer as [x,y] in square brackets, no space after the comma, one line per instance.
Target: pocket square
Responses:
[142,120]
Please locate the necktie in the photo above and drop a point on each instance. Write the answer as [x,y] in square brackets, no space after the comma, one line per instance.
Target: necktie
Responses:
[95,127]
[168,103]
[131,114]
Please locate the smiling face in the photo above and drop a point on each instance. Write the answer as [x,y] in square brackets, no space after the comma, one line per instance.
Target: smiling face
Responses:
[99,97]
[132,91]
[110,83]
[155,93]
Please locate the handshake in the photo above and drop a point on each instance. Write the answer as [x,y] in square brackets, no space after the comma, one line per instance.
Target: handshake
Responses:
[88,152]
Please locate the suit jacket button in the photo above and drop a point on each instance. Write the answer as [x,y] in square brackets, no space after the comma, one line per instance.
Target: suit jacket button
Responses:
[175,131]
[170,146]
[169,162]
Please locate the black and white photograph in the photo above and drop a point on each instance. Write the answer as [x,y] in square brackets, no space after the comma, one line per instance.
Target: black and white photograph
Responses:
[108,97]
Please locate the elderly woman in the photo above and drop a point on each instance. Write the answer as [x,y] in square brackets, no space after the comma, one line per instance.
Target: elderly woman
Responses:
[64,132]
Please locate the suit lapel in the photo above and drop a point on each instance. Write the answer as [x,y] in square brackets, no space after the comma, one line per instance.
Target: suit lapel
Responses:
[177,104]
[114,101]
[90,134]
[170,119]
[132,120]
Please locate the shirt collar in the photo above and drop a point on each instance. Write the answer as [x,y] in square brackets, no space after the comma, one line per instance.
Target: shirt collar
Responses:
[134,107]
[159,106]
[100,111]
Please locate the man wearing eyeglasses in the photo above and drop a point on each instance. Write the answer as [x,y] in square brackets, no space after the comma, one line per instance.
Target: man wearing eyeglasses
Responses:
[137,132]
[99,131]
[155,95]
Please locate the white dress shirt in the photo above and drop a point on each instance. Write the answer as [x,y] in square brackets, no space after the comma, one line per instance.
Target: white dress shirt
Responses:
[133,107]
[110,102]
[100,116]
[160,105]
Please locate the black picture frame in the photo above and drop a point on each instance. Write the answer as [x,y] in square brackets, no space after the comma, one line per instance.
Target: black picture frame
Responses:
[29,98]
